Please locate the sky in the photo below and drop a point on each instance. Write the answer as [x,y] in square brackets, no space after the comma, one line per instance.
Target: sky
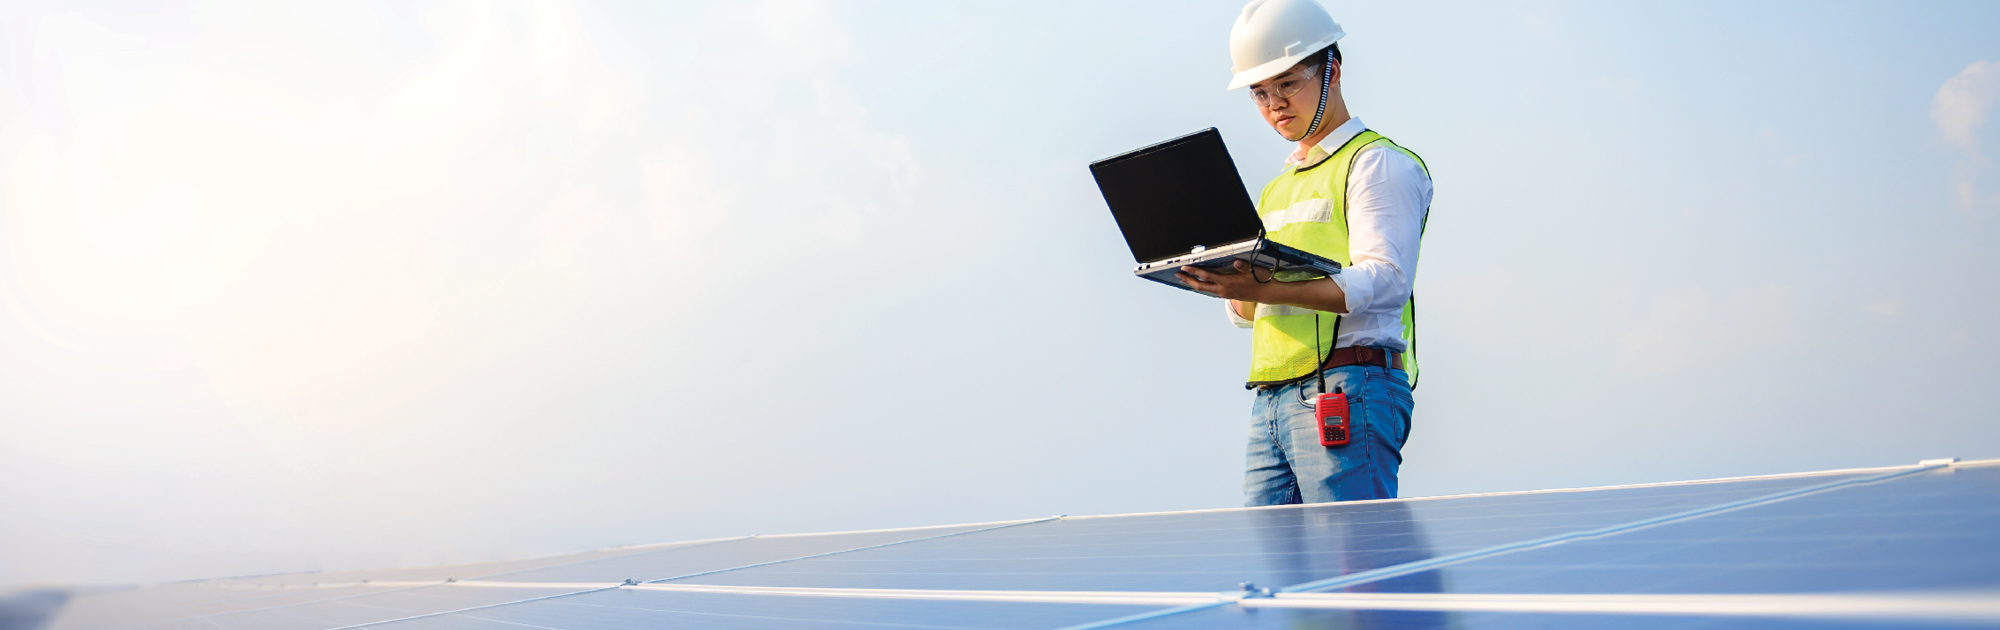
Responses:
[331,285]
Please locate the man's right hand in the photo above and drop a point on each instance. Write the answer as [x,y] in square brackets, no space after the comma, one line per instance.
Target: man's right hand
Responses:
[1238,282]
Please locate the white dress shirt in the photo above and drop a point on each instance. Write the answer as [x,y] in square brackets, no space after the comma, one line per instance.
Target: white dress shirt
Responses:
[1388,195]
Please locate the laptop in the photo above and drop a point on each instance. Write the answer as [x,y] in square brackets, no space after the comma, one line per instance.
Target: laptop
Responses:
[1180,203]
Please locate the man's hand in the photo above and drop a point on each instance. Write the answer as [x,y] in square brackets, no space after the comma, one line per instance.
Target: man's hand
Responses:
[1243,286]
[1240,286]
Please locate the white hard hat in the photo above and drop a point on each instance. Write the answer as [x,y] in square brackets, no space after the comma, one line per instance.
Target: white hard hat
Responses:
[1271,36]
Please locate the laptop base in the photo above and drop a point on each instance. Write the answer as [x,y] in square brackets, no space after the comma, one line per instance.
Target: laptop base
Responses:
[1264,253]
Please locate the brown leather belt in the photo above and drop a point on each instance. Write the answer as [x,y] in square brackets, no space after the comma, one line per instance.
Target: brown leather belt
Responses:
[1363,355]
[1354,355]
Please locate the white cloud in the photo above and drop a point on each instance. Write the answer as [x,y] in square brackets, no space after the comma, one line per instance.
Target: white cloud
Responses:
[1960,110]
[358,245]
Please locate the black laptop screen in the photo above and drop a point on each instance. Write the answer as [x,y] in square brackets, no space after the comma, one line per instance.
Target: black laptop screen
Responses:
[1175,195]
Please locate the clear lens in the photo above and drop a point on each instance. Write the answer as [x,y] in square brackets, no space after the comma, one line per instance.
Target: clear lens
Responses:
[1282,87]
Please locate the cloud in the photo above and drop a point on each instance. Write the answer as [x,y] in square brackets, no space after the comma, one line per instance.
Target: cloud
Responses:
[1960,109]
[369,232]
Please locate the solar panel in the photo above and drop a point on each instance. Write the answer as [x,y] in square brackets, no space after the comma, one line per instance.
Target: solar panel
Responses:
[1297,619]
[1218,551]
[629,609]
[1904,548]
[723,555]
[386,604]
[1930,530]
[215,598]
[155,604]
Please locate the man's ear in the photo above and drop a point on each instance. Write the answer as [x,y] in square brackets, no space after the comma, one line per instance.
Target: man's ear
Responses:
[1333,78]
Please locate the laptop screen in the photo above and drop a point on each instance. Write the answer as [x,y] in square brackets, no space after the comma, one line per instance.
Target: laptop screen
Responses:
[1173,196]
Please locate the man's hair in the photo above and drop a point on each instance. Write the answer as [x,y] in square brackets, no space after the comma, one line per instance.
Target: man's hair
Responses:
[1317,59]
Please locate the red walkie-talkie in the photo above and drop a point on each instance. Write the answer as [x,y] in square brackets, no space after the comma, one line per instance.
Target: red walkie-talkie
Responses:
[1331,410]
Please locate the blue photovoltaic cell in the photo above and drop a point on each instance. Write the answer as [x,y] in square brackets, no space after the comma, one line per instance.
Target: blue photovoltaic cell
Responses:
[1216,551]
[1929,530]
[720,555]
[636,609]
[1305,619]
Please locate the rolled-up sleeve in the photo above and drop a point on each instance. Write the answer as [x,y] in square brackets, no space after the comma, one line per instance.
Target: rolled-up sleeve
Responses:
[1238,320]
[1388,194]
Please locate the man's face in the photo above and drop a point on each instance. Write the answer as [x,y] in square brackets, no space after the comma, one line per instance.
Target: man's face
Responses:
[1287,101]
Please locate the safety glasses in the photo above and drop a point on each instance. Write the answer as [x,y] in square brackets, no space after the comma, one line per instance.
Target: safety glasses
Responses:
[1283,87]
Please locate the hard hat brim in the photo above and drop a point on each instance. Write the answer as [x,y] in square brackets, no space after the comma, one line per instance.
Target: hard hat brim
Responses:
[1278,66]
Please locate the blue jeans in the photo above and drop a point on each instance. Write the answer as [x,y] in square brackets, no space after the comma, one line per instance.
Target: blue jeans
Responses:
[1286,463]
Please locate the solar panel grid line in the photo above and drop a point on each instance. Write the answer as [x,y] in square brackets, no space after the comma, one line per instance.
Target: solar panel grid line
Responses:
[621,616]
[1408,568]
[1965,607]
[390,587]
[511,623]
[593,590]
[831,553]
[1962,607]
[1041,597]
[671,547]
[1969,606]
[1617,521]
[1550,491]
[263,595]
[1929,532]
[211,616]
[1212,552]
[986,524]
[1146,616]
[630,609]
[572,585]
[1441,561]
[468,609]
[329,585]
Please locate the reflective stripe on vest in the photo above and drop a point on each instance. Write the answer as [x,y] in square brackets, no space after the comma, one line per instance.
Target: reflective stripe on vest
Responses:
[1307,208]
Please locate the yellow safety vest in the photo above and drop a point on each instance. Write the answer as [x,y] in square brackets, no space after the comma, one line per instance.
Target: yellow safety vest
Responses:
[1309,208]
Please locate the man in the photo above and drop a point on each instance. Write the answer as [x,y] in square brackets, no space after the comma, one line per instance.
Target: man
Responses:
[1350,195]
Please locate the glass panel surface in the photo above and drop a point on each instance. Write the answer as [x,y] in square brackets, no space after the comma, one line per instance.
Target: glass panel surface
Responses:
[1301,619]
[356,608]
[483,570]
[721,555]
[1216,551]
[1932,530]
[143,607]
[634,609]
[151,605]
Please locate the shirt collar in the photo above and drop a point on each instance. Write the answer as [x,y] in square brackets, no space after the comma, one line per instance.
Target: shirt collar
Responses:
[1331,143]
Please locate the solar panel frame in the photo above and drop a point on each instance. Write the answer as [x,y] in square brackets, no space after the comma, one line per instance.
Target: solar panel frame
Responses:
[517,586]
